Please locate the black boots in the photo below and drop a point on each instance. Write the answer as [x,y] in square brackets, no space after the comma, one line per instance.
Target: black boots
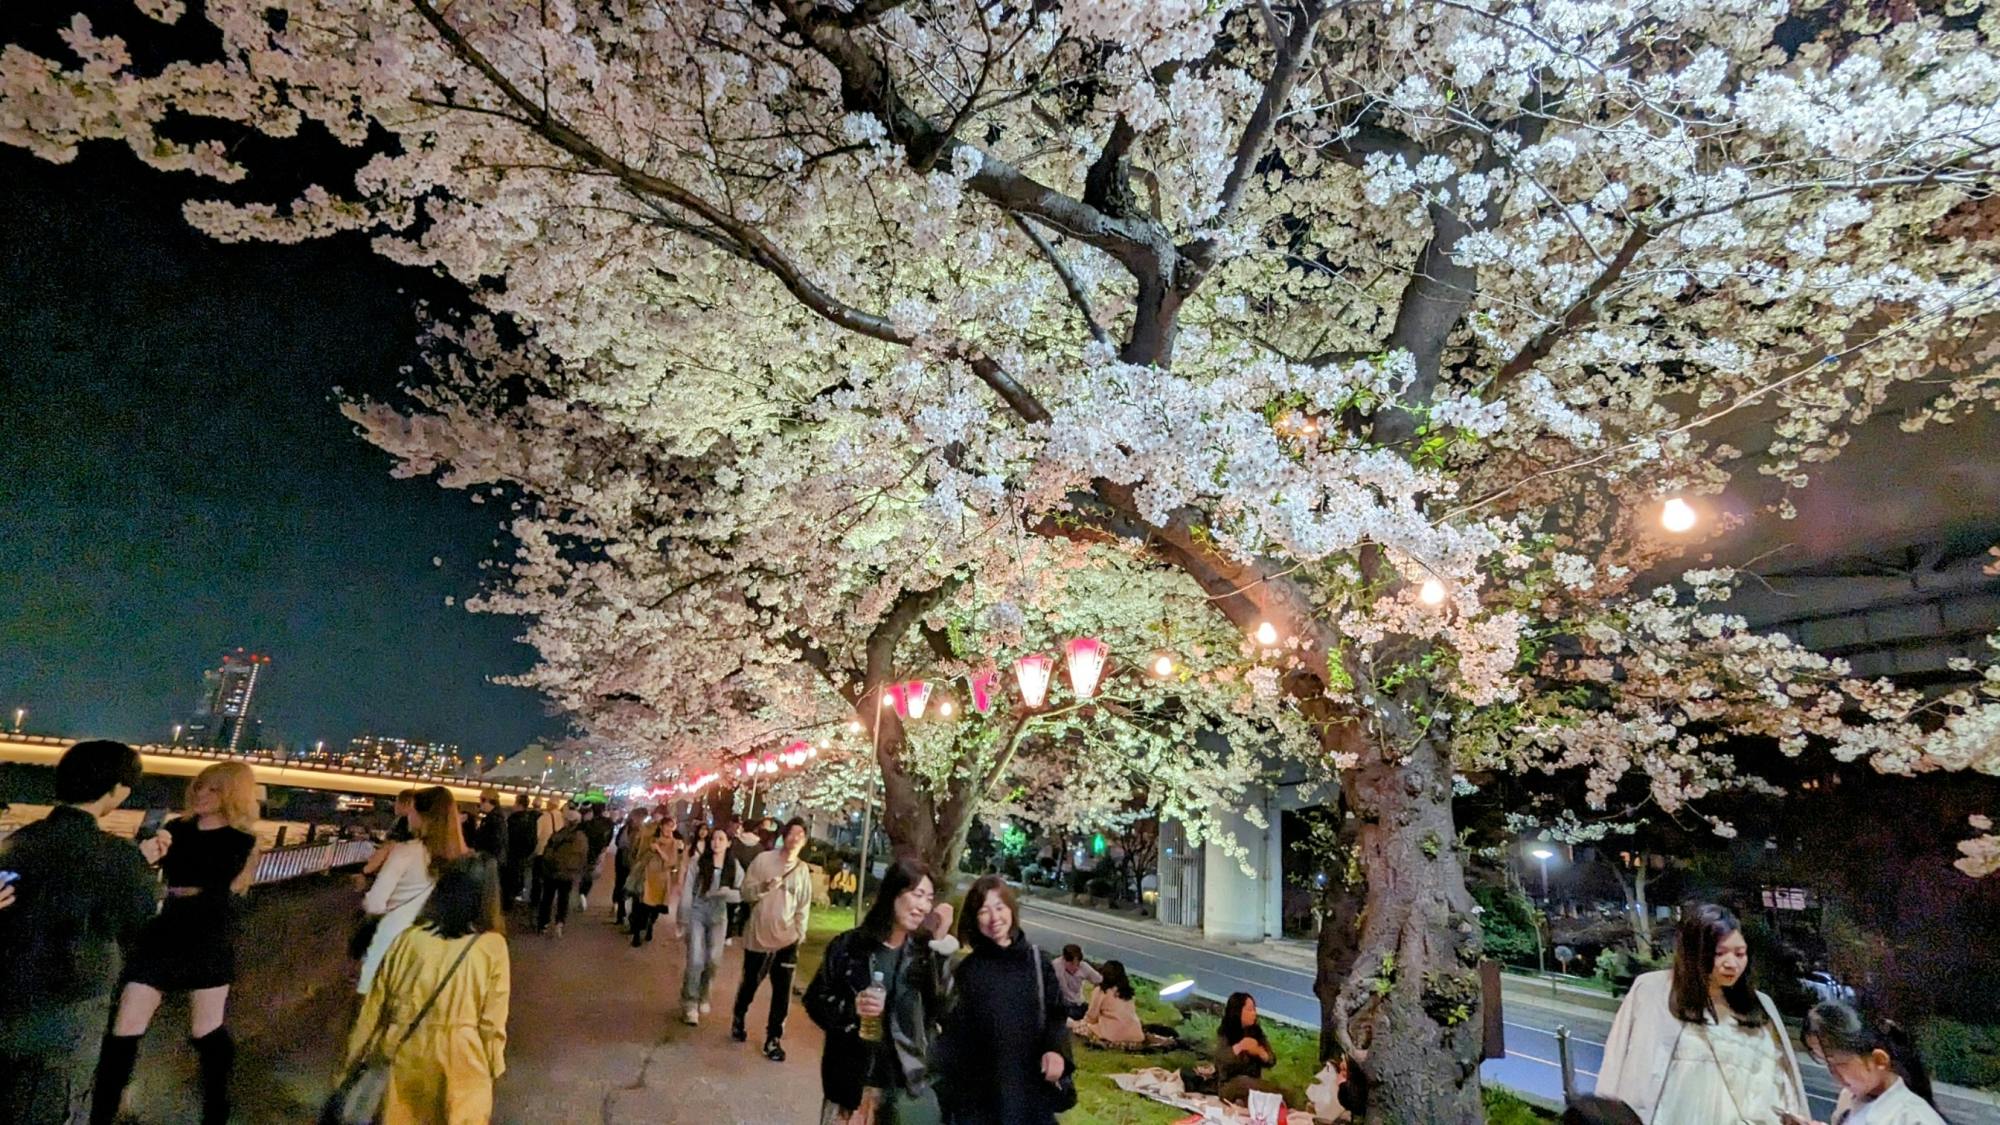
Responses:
[120,1053]
[217,1051]
[115,1059]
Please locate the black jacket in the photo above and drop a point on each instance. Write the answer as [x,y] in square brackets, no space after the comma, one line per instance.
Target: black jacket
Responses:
[916,999]
[82,894]
[989,1059]
[522,835]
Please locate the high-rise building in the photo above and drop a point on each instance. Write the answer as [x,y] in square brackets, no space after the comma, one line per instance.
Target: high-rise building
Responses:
[403,755]
[223,718]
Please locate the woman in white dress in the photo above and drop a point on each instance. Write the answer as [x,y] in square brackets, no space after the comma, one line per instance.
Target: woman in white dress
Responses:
[1698,1045]
[404,881]
[1883,1080]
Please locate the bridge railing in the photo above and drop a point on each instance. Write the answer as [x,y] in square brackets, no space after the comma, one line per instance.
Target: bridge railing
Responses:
[280,864]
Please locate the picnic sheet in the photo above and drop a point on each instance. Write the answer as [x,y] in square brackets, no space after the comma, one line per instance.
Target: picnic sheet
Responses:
[1164,1086]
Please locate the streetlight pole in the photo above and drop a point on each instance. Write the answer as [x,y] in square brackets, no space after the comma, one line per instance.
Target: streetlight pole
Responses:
[20,714]
[868,808]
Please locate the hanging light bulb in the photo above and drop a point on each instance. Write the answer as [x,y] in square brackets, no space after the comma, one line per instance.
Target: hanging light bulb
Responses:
[1033,671]
[981,683]
[1085,659]
[1677,515]
[1432,592]
[1267,634]
[1163,665]
[916,695]
[854,726]
[946,707]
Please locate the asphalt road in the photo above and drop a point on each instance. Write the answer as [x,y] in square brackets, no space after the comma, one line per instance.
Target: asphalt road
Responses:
[1531,1065]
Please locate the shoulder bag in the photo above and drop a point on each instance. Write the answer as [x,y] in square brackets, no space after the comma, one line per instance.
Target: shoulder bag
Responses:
[1062,1098]
[364,1088]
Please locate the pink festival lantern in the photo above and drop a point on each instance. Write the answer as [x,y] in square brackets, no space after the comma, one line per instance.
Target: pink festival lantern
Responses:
[982,689]
[1033,671]
[893,696]
[916,696]
[1085,657]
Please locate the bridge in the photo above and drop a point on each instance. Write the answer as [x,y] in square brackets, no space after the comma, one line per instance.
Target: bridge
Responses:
[186,761]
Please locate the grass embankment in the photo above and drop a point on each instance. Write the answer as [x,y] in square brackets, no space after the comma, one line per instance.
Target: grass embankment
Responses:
[1100,1102]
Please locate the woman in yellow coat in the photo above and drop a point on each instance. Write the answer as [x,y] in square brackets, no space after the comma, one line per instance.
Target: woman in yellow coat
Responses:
[656,878]
[444,1073]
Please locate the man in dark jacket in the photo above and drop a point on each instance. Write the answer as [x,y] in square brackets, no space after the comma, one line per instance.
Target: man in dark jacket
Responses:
[597,830]
[486,830]
[522,843]
[82,894]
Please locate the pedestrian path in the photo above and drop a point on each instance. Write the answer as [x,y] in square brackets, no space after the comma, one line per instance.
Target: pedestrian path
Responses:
[596,1035]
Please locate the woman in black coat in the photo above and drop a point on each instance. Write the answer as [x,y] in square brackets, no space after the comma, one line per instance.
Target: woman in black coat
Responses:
[1005,1048]
[907,940]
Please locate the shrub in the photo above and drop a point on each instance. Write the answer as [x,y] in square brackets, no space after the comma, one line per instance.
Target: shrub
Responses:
[1507,923]
[1963,1054]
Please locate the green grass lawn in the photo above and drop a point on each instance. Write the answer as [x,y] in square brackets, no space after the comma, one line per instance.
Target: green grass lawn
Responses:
[1100,1102]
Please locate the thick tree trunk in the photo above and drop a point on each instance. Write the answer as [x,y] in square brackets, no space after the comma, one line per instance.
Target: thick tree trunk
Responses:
[1409,1007]
[914,819]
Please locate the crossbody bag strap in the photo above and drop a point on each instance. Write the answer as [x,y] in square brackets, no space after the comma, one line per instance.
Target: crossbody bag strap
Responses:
[435,993]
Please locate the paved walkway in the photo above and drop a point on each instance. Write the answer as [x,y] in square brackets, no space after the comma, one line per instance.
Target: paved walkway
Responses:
[595,1036]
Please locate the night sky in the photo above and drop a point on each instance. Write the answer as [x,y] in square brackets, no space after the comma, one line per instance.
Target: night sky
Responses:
[176,481]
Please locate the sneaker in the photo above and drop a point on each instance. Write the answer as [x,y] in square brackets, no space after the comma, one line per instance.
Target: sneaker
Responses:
[559,927]
[583,902]
[704,1007]
[736,1031]
[727,942]
[691,1015]
[774,1050]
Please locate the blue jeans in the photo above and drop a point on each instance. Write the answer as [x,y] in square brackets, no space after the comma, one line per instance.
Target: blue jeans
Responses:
[707,924]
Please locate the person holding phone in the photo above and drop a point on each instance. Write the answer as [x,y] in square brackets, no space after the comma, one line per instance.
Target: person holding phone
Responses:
[79,893]
[1883,1080]
[1697,1044]
[191,945]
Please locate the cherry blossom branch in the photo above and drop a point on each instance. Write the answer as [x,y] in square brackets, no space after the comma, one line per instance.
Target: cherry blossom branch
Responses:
[1075,289]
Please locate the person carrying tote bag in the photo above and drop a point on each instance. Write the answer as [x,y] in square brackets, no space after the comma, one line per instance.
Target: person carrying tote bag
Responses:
[441,998]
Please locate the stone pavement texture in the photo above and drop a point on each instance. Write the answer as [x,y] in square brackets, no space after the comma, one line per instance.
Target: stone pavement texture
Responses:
[594,1036]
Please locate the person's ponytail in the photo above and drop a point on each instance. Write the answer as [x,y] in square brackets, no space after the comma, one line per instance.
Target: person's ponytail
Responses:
[1907,1060]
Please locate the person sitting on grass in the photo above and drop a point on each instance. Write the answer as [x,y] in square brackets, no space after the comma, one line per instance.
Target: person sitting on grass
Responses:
[1240,1055]
[1112,1018]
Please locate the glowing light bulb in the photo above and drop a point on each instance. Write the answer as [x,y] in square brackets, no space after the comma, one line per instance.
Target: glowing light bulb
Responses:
[1677,515]
[854,726]
[1163,666]
[945,708]
[1432,592]
[1267,634]
[916,694]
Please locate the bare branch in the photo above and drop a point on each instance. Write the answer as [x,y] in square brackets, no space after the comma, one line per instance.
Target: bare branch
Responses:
[1076,294]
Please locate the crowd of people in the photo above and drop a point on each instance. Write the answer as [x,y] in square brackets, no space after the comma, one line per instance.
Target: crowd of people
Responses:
[930,1013]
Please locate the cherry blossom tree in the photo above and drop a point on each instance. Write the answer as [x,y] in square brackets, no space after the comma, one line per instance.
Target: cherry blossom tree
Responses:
[1387,326]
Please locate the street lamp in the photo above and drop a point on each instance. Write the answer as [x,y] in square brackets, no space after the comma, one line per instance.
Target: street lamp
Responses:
[1544,855]
[20,714]
[177,734]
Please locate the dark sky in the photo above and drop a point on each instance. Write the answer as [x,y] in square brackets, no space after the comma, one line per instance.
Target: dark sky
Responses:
[176,481]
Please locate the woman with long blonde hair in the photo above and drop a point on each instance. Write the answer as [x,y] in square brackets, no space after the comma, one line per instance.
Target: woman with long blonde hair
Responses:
[405,880]
[190,946]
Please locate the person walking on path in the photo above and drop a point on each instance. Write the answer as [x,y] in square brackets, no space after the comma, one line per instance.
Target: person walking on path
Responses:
[190,946]
[80,895]
[713,883]
[778,886]
[746,845]
[1005,1047]
[521,850]
[568,851]
[626,844]
[405,881]
[893,970]
[486,828]
[655,880]
[438,1008]
[1697,1044]
[547,820]
[596,830]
